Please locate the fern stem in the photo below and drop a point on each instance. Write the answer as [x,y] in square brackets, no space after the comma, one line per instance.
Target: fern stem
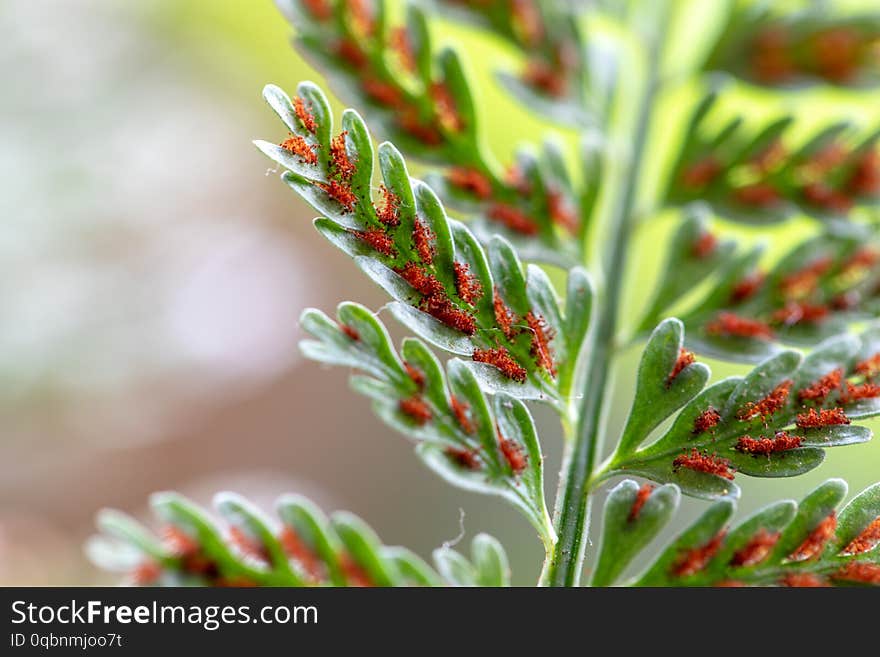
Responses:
[573,502]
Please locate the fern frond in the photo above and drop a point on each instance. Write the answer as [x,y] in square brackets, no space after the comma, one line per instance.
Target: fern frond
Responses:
[472,442]
[774,422]
[424,103]
[791,49]
[756,177]
[817,290]
[783,544]
[447,289]
[301,547]
[554,78]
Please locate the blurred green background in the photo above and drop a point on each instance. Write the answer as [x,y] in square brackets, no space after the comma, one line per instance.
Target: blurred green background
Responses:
[154,269]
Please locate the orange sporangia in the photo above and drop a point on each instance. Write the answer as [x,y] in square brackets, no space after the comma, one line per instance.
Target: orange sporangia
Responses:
[504,317]
[756,550]
[706,420]
[704,245]
[470,180]
[746,287]
[349,331]
[361,16]
[410,122]
[466,284]
[513,453]
[701,173]
[341,163]
[729,584]
[529,23]
[545,77]
[827,158]
[460,410]
[768,405]
[759,194]
[815,542]
[414,373]
[379,240]
[319,9]
[862,391]
[863,573]
[441,309]
[351,53]
[802,580]
[731,325]
[866,540]
[146,573]
[296,549]
[416,409]
[423,241]
[819,390]
[865,180]
[306,118]
[447,113]
[803,281]
[642,496]
[836,53]
[765,446]
[770,61]
[339,192]
[542,334]
[870,367]
[704,462]
[501,359]
[389,212]
[798,312]
[177,542]
[421,281]
[402,45]
[301,148]
[696,559]
[864,258]
[769,156]
[382,93]
[513,176]
[822,418]
[512,218]
[826,197]
[246,544]
[685,359]
[560,211]
[464,458]
[354,574]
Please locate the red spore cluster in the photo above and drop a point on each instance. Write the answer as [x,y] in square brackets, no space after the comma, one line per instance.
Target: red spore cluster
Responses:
[704,462]
[501,360]
[731,325]
[813,418]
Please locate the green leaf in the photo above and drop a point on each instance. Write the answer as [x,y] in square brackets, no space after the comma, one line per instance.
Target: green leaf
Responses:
[813,292]
[627,529]
[444,284]
[694,254]
[757,425]
[490,561]
[426,105]
[727,169]
[658,393]
[783,544]
[800,42]
[487,448]
[489,565]
[301,548]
